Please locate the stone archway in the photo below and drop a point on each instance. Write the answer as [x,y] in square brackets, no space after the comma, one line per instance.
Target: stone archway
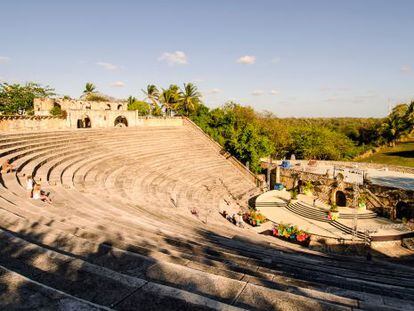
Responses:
[340,198]
[121,121]
[403,210]
[84,122]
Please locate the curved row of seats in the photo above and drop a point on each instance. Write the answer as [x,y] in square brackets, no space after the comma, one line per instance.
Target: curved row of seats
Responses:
[122,232]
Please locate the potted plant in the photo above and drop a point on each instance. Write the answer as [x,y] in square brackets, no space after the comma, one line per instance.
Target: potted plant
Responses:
[254,218]
[362,205]
[333,212]
[291,233]
[308,188]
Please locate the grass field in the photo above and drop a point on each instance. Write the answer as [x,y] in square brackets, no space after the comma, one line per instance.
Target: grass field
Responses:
[402,154]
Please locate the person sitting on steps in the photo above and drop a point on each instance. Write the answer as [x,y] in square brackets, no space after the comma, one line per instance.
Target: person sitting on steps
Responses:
[7,167]
[39,194]
[29,185]
[240,220]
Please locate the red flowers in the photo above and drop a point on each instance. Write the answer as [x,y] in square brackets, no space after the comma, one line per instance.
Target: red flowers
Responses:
[292,233]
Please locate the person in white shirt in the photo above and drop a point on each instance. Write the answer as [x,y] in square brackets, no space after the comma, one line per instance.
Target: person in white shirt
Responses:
[29,185]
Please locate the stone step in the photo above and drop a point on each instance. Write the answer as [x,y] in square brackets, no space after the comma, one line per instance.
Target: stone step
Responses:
[94,284]
[199,266]
[20,292]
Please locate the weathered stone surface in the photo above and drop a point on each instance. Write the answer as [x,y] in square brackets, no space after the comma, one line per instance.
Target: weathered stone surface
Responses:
[255,297]
[158,297]
[220,288]
[19,293]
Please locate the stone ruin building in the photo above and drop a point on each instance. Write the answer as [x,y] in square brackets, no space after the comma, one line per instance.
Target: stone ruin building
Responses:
[88,114]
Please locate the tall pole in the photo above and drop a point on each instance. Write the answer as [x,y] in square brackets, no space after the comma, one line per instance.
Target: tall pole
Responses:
[269,168]
[355,211]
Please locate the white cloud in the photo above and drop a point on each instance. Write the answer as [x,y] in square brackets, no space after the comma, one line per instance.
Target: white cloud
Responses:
[257,92]
[118,84]
[107,66]
[215,91]
[4,59]
[275,60]
[174,58]
[274,92]
[247,60]
[406,69]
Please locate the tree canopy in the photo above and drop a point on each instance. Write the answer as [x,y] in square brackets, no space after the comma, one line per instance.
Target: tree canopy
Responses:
[245,133]
[15,98]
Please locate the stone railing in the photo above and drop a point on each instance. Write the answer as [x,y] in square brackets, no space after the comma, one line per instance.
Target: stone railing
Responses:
[236,163]
[11,123]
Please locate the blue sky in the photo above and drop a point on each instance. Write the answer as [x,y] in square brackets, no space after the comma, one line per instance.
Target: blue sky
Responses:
[294,58]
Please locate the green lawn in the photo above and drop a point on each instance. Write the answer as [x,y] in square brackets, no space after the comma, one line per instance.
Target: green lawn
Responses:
[402,154]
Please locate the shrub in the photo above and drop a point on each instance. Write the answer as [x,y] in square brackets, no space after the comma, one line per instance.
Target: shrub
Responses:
[334,208]
[95,97]
[56,111]
[142,107]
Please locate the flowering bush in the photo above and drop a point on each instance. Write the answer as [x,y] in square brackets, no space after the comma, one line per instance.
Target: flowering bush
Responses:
[254,218]
[292,233]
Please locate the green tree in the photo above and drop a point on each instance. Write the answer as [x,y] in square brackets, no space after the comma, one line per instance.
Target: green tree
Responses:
[131,100]
[169,98]
[56,110]
[310,142]
[17,97]
[249,146]
[188,99]
[152,94]
[142,107]
[89,88]
[396,124]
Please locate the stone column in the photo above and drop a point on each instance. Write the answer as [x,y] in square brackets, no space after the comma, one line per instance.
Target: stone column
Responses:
[277,174]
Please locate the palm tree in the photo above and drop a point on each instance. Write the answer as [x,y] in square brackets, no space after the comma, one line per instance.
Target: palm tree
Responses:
[169,98]
[189,98]
[89,88]
[131,100]
[152,94]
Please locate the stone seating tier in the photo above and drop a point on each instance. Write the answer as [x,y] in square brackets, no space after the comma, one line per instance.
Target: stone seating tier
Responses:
[113,238]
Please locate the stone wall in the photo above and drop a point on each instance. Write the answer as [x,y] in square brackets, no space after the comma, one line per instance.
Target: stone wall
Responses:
[42,106]
[359,165]
[386,201]
[34,123]
[325,188]
[99,119]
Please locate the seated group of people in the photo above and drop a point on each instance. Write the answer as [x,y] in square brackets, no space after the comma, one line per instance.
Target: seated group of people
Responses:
[33,188]
[235,219]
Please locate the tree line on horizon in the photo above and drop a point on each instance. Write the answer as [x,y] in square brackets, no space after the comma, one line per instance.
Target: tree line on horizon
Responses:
[247,134]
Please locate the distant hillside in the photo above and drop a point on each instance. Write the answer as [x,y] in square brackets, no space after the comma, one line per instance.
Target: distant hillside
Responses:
[402,154]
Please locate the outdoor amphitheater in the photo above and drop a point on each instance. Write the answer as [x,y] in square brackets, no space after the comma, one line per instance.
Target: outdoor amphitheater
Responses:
[135,224]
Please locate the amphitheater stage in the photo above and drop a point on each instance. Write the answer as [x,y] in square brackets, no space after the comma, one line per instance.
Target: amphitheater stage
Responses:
[313,218]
